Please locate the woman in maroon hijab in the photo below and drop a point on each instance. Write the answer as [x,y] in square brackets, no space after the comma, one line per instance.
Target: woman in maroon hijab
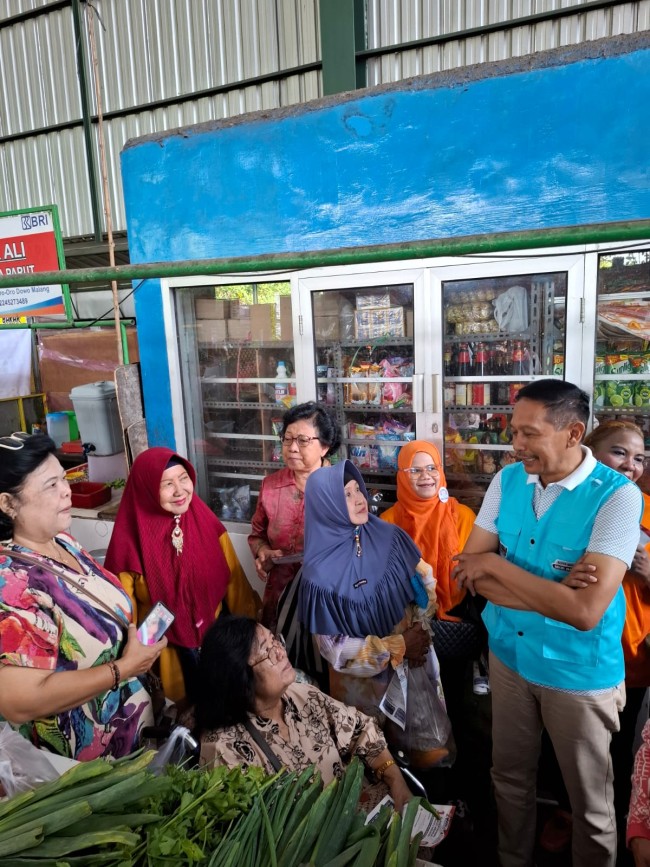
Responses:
[168,546]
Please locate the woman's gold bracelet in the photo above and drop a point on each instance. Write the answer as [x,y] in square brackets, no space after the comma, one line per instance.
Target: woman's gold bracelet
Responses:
[116,675]
[381,770]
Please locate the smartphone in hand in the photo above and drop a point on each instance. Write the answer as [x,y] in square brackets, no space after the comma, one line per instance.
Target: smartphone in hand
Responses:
[155,624]
[643,537]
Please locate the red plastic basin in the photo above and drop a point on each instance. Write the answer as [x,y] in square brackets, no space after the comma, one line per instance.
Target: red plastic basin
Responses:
[87,495]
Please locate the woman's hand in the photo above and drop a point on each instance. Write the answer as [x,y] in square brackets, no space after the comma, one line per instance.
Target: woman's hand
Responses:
[137,657]
[264,560]
[391,777]
[581,575]
[417,641]
[641,565]
[400,793]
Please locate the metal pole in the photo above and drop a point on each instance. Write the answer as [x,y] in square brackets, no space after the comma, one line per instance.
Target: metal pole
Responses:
[600,233]
[90,14]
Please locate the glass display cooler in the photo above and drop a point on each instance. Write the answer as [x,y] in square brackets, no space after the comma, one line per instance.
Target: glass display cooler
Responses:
[621,385]
[237,373]
[499,333]
[434,349]
[365,373]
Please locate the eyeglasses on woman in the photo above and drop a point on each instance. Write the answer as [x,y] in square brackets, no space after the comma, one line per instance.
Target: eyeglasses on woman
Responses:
[276,652]
[416,472]
[303,441]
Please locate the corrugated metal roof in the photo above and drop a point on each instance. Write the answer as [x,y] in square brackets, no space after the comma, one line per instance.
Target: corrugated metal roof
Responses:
[11,8]
[391,22]
[145,57]
[155,55]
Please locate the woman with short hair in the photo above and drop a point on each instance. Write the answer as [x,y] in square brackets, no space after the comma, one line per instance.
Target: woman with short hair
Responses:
[309,436]
[69,653]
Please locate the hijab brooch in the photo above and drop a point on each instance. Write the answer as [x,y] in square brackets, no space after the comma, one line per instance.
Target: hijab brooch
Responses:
[177,536]
[357,540]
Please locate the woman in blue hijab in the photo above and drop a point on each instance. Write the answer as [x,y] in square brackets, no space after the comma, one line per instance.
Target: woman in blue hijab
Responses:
[365,592]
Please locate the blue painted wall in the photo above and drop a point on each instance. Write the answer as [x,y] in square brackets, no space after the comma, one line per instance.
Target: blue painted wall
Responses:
[559,139]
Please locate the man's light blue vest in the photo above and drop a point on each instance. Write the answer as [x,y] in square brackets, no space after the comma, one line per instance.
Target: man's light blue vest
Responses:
[539,649]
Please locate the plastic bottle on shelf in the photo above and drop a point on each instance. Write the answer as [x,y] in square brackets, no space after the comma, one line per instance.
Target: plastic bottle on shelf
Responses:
[491,359]
[481,361]
[518,367]
[281,383]
[346,321]
[449,360]
[464,361]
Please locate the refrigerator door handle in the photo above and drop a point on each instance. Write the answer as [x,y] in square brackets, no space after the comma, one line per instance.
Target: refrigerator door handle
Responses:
[435,379]
[418,392]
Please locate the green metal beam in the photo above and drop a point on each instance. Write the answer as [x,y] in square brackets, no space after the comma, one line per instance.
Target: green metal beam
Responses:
[84,96]
[598,233]
[342,34]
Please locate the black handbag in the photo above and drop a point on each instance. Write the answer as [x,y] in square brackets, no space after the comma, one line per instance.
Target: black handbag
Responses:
[456,639]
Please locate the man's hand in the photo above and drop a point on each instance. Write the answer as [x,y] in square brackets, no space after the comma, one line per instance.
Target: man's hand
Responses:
[641,565]
[641,850]
[582,575]
[472,567]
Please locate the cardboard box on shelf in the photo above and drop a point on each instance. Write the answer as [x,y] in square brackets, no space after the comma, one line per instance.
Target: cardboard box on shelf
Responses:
[238,310]
[326,327]
[262,322]
[76,357]
[379,322]
[211,330]
[327,303]
[212,308]
[369,300]
[286,324]
[239,329]
[408,323]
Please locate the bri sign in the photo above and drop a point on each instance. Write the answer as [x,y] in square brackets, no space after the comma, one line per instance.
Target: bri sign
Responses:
[30,242]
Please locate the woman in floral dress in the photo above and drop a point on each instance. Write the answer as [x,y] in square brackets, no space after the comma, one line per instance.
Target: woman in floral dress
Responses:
[69,654]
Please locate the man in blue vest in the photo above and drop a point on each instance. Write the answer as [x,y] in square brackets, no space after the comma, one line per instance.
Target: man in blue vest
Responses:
[555,652]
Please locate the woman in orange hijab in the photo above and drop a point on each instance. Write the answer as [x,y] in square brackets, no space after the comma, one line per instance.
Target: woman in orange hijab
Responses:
[438,524]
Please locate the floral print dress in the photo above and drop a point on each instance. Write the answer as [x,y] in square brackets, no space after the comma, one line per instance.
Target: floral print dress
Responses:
[49,623]
[322,732]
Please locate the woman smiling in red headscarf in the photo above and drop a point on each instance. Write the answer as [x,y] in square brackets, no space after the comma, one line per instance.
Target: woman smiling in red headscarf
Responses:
[168,546]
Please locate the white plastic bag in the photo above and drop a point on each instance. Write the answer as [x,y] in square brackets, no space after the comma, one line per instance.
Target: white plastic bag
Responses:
[511,309]
[22,765]
[177,750]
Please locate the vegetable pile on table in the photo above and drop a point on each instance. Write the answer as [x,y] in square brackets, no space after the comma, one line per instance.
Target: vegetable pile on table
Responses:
[118,814]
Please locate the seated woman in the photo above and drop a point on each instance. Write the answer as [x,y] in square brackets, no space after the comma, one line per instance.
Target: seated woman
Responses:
[69,653]
[360,582]
[250,711]
[168,546]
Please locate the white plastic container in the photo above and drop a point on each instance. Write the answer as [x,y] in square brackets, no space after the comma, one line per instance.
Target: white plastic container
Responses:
[106,468]
[281,383]
[58,427]
[95,405]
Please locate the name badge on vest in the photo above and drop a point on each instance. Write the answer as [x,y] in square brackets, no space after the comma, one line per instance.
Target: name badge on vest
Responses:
[562,565]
